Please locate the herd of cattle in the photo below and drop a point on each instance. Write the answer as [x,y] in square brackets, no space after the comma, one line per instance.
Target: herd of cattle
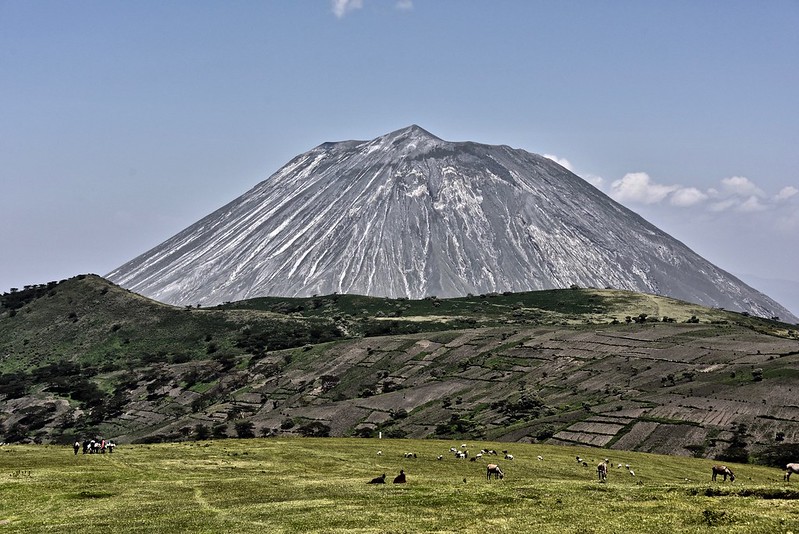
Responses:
[101,446]
[493,470]
[94,446]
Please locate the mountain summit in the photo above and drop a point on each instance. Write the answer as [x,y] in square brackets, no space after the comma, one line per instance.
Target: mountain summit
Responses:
[410,215]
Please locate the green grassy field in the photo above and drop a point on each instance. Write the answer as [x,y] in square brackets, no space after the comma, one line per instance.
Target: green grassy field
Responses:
[319,485]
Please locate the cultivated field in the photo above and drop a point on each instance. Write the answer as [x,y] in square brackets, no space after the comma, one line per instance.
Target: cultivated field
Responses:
[319,485]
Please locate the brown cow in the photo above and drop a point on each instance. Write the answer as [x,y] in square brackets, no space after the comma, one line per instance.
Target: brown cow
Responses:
[493,469]
[724,471]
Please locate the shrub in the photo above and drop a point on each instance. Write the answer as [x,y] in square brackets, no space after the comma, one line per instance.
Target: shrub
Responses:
[315,429]
[545,433]
[778,455]
[201,431]
[287,424]
[245,429]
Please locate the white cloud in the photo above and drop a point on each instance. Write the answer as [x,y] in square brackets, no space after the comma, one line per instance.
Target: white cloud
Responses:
[723,205]
[786,193]
[593,179]
[563,162]
[752,203]
[342,7]
[741,186]
[639,187]
[596,181]
[737,193]
[687,196]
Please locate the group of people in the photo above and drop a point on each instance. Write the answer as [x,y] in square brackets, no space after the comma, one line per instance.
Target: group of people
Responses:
[94,446]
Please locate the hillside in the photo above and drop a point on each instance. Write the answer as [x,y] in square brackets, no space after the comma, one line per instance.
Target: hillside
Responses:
[605,368]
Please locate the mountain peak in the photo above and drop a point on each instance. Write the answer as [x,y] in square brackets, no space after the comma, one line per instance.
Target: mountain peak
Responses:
[413,131]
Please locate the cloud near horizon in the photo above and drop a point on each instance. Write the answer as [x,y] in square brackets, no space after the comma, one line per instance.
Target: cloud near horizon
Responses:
[563,162]
[736,193]
[342,7]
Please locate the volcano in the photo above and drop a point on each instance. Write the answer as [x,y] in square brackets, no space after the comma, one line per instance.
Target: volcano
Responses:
[410,215]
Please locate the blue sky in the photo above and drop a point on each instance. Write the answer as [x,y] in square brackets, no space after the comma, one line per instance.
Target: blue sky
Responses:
[122,123]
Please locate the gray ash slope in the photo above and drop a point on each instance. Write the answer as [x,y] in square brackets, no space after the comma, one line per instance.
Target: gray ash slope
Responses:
[410,215]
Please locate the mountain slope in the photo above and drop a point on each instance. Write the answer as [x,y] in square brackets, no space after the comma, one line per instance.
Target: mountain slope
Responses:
[410,215]
[598,367]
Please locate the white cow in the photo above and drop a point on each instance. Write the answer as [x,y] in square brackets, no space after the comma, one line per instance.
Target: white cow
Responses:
[790,469]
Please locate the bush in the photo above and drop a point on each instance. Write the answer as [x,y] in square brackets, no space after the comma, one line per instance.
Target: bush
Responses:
[202,431]
[364,432]
[245,429]
[315,429]
[778,455]
[287,424]
[545,433]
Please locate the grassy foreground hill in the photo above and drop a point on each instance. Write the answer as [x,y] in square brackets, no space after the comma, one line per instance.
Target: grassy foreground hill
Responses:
[605,368]
[288,485]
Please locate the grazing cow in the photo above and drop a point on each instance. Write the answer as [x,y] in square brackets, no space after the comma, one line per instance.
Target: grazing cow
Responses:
[378,480]
[789,469]
[379,453]
[508,456]
[440,457]
[400,479]
[540,458]
[493,469]
[724,471]
[579,460]
[76,447]
[410,455]
[632,473]
[602,471]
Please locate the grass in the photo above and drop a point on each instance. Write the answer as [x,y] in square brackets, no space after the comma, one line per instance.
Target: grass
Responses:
[319,485]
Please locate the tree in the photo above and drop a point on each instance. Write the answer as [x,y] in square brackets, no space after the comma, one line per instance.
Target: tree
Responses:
[736,451]
[545,432]
[245,429]
[315,429]
[201,431]
[779,455]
